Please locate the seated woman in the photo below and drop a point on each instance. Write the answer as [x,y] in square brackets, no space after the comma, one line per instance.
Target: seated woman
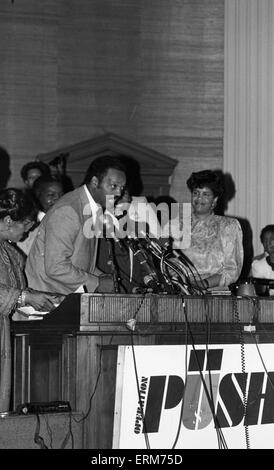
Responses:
[17,214]
[216,241]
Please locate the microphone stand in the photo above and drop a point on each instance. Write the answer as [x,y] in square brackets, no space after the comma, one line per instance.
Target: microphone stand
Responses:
[150,279]
[114,270]
[181,265]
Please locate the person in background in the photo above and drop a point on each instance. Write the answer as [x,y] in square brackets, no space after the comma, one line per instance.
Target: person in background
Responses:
[216,248]
[46,191]
[262,266]
[17,214]
[63,255]
[32,170]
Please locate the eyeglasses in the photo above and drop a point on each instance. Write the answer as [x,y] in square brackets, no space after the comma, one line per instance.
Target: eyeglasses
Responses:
[205,195]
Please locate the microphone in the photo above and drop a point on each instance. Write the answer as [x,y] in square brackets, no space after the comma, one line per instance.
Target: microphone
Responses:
[184,259]
[160,246]
[169,256]
[109,236]
[165,247]
[151,283]
[108,230]
[115,239]
[150,279]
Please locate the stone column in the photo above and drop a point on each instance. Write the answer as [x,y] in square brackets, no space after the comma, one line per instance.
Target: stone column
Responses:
[248,110]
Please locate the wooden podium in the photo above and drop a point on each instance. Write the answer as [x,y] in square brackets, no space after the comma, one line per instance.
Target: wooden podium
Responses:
[76,361]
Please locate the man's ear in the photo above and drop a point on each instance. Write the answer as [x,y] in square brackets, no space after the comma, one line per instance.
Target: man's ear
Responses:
[94,181]
[8,221]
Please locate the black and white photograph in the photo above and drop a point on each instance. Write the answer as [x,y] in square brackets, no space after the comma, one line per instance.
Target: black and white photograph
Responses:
[136,231]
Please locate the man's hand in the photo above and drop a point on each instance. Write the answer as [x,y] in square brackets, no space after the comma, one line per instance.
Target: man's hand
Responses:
[106,284]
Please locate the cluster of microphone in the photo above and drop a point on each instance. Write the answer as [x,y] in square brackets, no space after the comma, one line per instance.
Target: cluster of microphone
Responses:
[146,251]
[143,256]
[165,270]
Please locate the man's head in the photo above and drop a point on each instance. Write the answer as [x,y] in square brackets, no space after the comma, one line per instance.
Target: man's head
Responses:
[105,177]
[267,238]
[32,170]
[47,190]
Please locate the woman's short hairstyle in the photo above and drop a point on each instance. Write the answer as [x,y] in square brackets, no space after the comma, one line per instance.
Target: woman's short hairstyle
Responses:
[206,179]
[43,167]
[42,181]
[18,204]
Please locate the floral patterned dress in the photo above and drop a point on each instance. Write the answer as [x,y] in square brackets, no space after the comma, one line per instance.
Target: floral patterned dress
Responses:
[12,281]
[215,246]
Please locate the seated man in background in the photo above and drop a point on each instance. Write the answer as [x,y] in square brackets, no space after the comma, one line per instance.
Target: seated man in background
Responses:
[46,191]
[64,254]
[32,170]
[263,265]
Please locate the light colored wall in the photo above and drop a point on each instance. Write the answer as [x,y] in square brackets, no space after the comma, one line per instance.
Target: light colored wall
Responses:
[249,111]
[148,70]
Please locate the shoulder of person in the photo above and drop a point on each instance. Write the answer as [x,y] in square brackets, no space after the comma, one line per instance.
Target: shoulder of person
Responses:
[74,199]
[61,216]
[260,268]
[260,257]
[228,222]
[139,198]
[14,253]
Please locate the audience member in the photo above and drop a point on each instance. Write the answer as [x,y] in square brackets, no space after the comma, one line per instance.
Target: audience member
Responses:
[263,265]
[64,254]
[216,241]
[32,170]
[46,190]
[17,214]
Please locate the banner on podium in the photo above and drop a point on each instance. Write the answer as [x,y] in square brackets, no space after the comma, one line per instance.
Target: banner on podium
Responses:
[202,397]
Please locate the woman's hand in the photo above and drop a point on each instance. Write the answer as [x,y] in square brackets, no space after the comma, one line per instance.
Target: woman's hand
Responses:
[211,281]
[41,301]
[57,297]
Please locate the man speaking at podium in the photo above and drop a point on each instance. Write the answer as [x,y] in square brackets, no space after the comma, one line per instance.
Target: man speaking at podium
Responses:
[63,256]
